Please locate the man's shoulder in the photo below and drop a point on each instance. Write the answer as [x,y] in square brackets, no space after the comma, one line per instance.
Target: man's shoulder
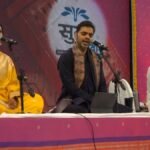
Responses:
[5,56]
[66,57]
[67,54]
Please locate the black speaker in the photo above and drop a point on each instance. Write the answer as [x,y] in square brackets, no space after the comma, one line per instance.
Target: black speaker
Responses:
[119,108]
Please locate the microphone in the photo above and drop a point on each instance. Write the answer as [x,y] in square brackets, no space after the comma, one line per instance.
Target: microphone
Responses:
[8,40]
[100,46]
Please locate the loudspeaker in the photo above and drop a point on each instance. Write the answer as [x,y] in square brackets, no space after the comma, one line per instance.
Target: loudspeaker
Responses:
[119,108]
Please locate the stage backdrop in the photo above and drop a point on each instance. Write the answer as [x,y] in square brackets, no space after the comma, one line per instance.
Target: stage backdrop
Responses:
[44,30]
[142,44]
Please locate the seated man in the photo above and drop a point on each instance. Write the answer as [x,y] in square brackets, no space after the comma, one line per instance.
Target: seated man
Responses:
[10,101]
[10,90]
[81,73]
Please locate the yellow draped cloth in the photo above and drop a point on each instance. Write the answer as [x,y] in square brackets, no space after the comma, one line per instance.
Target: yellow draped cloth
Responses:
[10,87]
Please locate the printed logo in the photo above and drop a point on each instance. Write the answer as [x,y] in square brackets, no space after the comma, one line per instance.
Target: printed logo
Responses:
[63,19]
[76,12]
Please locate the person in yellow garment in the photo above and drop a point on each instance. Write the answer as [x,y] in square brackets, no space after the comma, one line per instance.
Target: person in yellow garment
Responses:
[10,101]
[10,90]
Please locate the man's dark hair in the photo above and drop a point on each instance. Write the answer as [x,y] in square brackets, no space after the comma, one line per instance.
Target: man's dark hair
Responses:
[85,24]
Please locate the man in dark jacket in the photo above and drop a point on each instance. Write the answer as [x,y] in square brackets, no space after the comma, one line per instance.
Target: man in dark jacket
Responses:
[81,73]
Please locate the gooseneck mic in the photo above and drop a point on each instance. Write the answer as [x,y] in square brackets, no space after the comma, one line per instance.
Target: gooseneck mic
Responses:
[99,45]
[8,40]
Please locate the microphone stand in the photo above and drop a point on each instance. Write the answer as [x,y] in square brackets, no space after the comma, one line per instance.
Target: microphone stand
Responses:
[116,80]
[22,79]
[100,55]
[116,74]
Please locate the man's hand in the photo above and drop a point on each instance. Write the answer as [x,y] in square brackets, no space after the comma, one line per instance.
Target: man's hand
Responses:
[13,103]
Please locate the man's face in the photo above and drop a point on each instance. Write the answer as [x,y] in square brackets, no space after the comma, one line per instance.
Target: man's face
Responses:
[84,37]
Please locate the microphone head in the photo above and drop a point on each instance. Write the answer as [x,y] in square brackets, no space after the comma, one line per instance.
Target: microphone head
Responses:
[101,46]
[7,40]
[96,43]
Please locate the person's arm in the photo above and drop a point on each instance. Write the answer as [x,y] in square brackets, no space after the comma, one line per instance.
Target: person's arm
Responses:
[13,85]
[65,67]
